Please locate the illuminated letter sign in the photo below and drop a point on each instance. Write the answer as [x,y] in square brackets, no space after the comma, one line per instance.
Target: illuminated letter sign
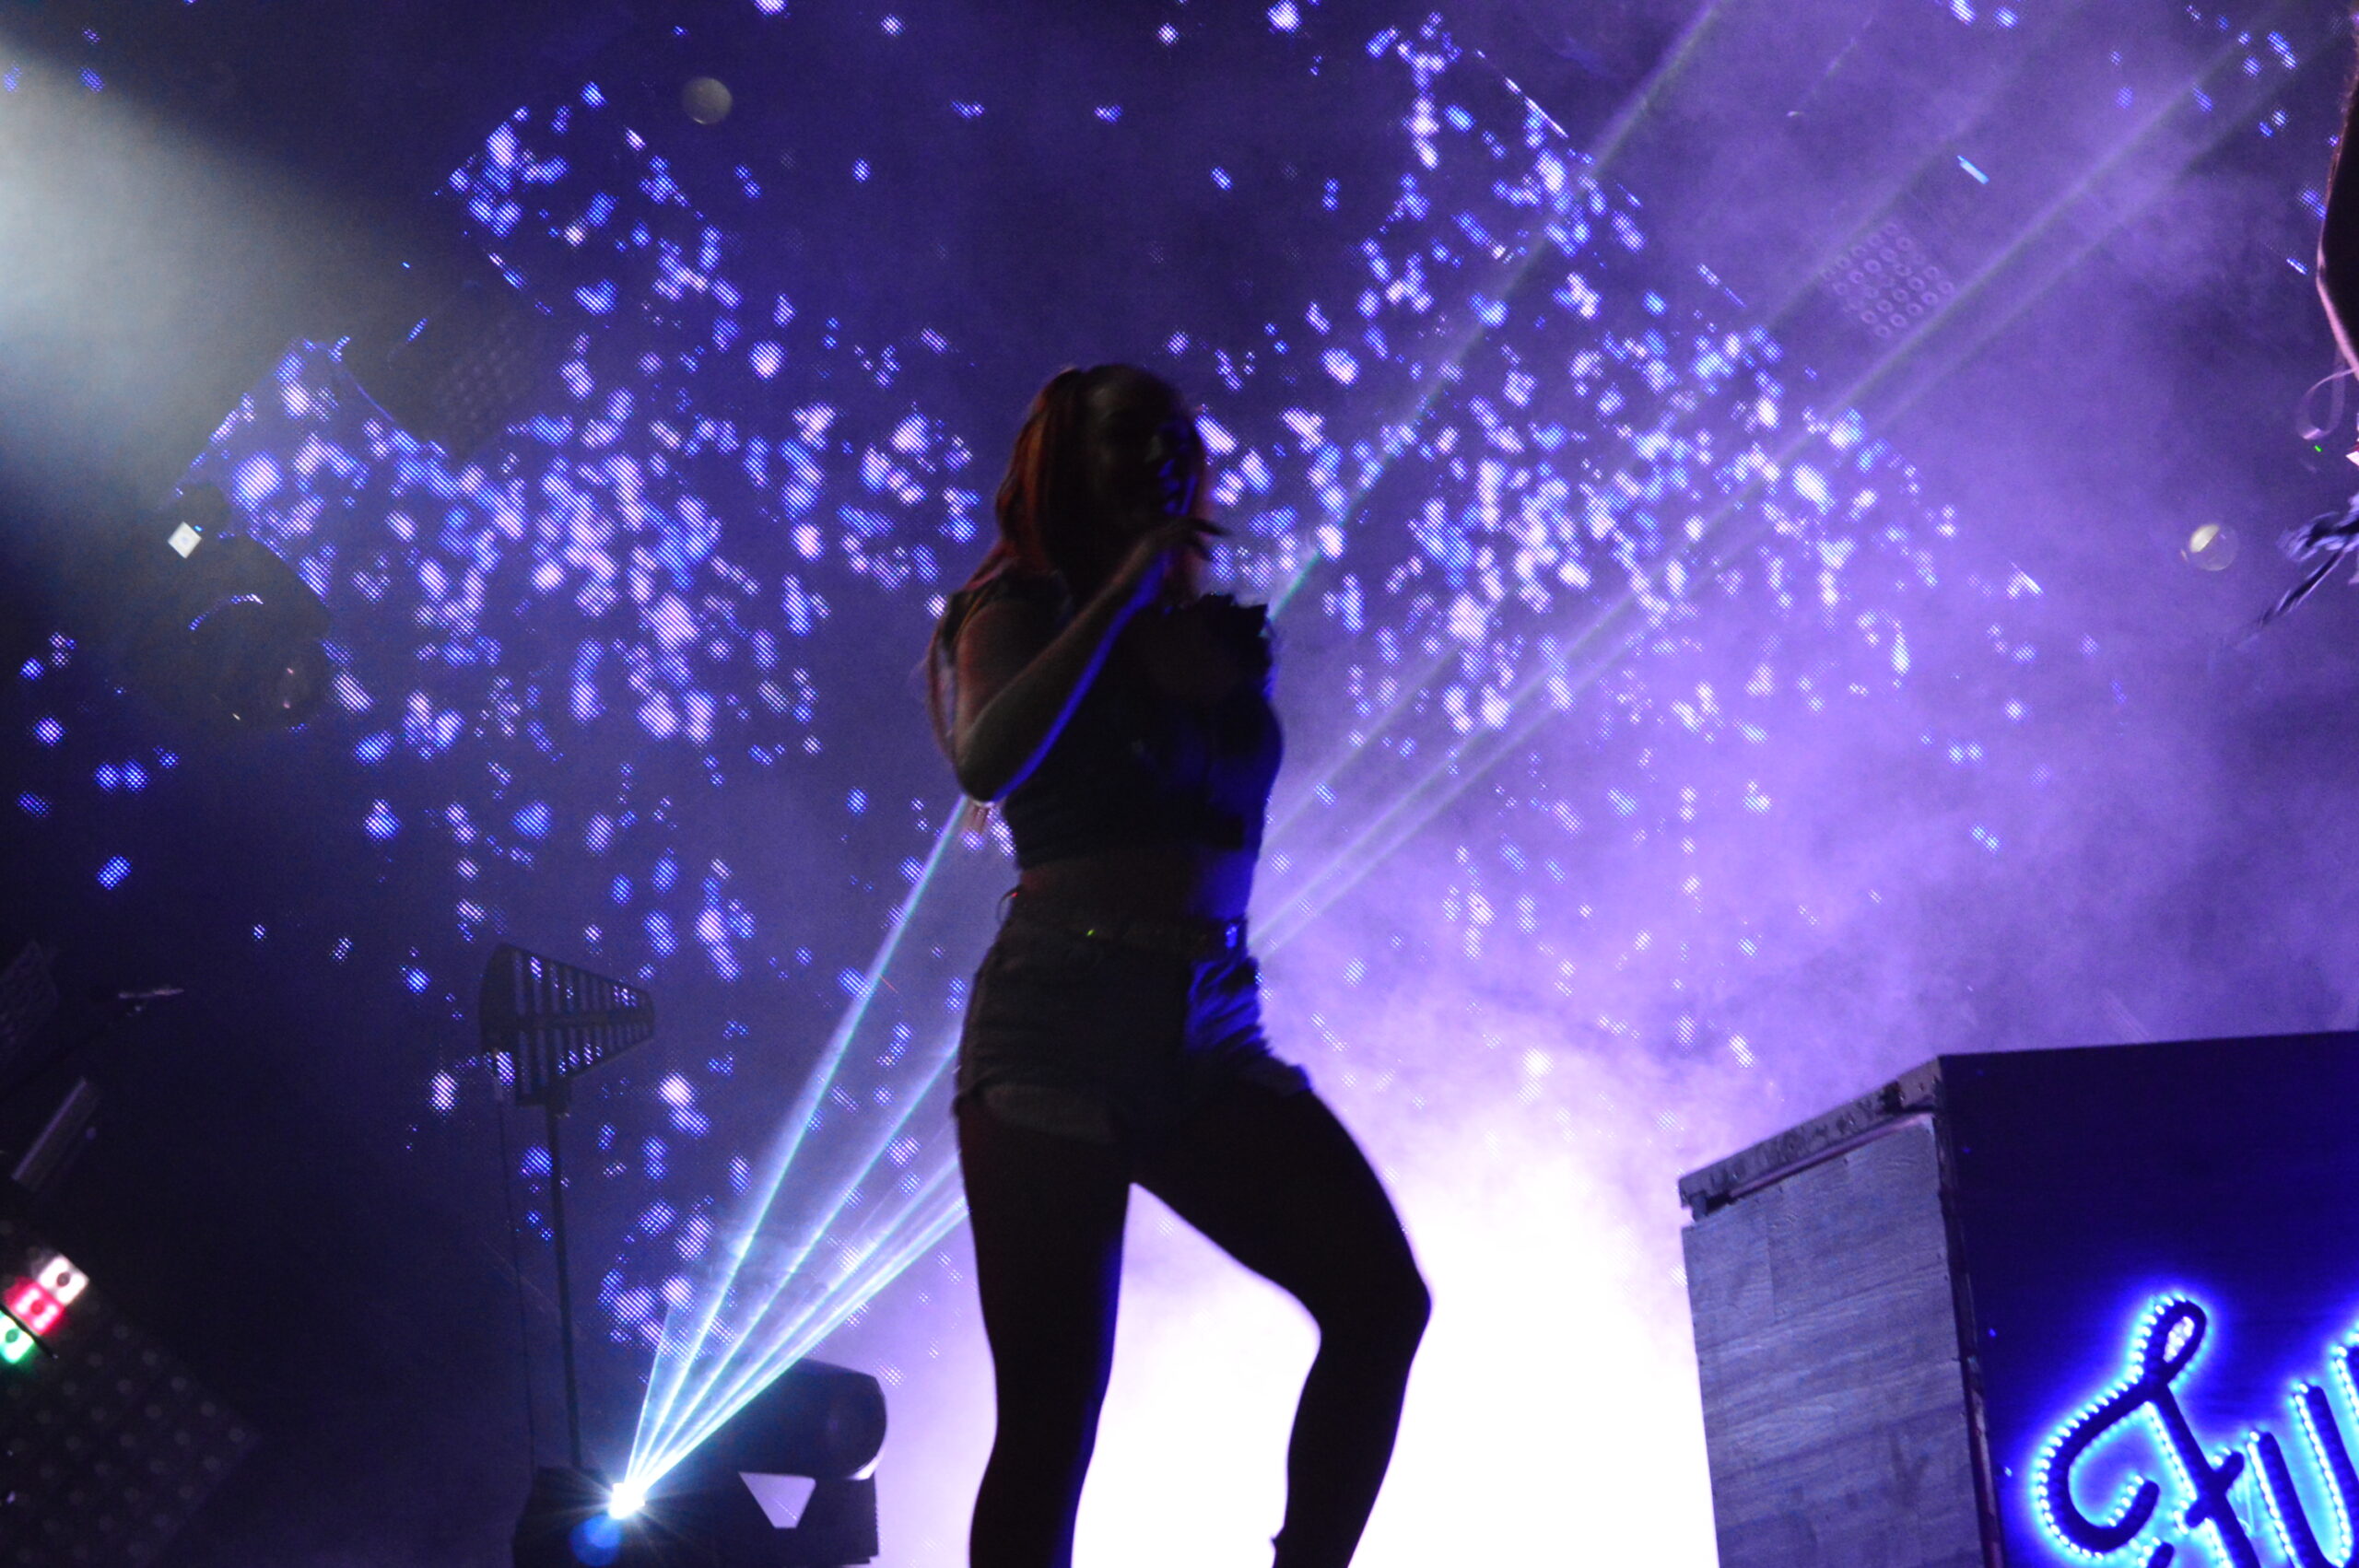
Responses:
[2182,1493]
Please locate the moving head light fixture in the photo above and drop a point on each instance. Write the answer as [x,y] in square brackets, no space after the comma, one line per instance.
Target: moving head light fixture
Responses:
[790,1479]
[219,629]
[788,1482]
[213,625]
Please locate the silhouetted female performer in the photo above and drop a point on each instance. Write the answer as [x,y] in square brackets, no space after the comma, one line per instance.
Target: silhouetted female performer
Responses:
[1121,719]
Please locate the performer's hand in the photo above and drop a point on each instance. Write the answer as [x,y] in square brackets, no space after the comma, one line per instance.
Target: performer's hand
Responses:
[1178,458]
[1158,555]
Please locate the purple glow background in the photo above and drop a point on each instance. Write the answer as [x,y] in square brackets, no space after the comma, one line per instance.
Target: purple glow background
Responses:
[1879,760]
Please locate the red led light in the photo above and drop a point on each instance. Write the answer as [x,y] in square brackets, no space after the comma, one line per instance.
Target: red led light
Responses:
[32,1306]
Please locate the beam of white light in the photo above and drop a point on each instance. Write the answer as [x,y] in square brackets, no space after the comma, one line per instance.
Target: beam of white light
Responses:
[1468,760]
[1611,142]
[723,1379]
[851,1246]
[2231,121]
[2225,70]
[1617,133]
[932,1211]
[742,1372]
[678,1356]
[1641,101]
[1540,696]
[2226,62]
[145,276]
[713,1356]
[1472,755]
[1310,562]
[934,1208]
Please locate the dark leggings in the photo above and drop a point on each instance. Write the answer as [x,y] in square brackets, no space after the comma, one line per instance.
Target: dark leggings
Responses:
[1274,1181]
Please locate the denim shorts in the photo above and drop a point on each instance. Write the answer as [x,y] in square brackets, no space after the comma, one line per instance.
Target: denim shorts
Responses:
[1091,1038]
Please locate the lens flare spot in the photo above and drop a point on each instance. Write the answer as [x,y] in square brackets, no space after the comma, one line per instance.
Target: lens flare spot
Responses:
[2211,547]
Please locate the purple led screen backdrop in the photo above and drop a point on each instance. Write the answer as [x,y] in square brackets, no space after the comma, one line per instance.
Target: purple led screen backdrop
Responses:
[1665,753]
[628,673]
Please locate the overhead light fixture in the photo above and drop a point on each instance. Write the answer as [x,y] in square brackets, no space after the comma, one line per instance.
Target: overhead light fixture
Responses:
[217,627]
[456,355]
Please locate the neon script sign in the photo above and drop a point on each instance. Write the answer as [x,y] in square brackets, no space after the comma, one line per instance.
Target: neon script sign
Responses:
[2135,1527]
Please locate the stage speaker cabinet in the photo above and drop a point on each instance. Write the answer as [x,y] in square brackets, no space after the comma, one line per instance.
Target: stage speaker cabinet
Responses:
[2042,1308]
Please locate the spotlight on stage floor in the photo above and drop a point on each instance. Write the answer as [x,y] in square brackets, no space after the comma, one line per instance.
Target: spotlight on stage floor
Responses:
[787,1483]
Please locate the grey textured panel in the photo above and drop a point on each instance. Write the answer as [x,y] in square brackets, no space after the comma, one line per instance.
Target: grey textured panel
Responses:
[1723,1182]
[1835,1409]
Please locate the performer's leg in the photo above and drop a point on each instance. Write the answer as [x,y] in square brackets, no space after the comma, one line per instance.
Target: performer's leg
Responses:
[1276,1181]
[1047,1214]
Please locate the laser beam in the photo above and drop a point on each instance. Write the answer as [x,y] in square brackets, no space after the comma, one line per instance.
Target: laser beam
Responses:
[1610,147]
[1417,804]
[666,1380]
[722,1378]
[919,1224]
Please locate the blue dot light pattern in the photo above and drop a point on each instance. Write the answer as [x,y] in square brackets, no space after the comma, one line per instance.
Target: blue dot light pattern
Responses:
[1577,579]
[61,785]
[590,685]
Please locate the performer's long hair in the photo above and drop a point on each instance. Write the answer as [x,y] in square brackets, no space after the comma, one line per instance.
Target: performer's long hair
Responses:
[1044,507]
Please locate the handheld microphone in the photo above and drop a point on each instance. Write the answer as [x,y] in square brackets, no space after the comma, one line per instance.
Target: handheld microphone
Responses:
[1176,457]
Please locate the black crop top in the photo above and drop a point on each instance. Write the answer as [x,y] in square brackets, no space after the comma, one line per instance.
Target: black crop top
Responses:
[1136,764]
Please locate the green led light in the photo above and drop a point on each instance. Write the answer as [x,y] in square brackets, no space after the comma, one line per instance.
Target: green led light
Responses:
[16,1345]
